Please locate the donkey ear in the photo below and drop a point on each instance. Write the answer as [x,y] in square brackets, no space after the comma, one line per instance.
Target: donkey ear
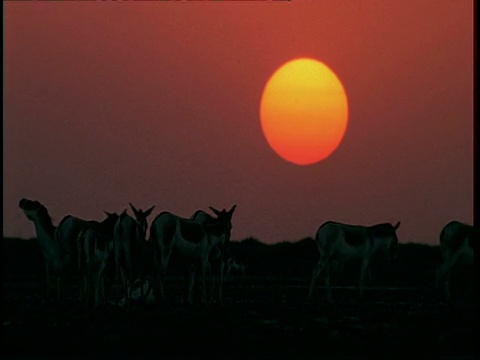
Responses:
[214,210]
[232,209]
[133,208]
[149,211]
[396,226]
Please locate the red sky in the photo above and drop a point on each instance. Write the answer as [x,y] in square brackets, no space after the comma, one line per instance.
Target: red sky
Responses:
[157,103]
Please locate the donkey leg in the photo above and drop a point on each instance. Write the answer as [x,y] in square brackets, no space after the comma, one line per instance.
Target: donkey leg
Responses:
[165,257]
[443,275]
[99,285]
[59,283]
[327,283]
[97,290]
[204,282]
[102,291]
[47,276]
[81,270]
[127,285]
[211,280]
[118,279]
[83,287]
[122,287]
[447,288]
[363,274]
[220,284]
[161,282]
[142,290]
[129,277]
[87,289]
[316,273]
[91,285]
[189,284]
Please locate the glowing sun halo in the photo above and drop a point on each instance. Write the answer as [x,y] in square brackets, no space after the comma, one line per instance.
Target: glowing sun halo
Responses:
[304,111]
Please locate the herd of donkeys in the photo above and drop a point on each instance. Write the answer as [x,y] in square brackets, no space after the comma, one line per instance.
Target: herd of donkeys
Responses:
[84,247]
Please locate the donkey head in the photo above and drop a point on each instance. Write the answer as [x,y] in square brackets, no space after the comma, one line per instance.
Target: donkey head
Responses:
[32,208]
[110,220]
[392,241]
[29,205]
[224,214]
[36,212]
[141,216]
[393,246]
[386,236]
[225,217]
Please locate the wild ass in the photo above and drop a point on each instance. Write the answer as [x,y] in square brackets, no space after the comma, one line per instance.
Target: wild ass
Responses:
[130,247]
[217,258]
[44,228]
[457,241]
[192,239]
[71,244]
[343,243]
[95,249]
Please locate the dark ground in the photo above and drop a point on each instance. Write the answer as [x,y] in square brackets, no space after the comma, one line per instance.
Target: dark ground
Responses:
[264,316]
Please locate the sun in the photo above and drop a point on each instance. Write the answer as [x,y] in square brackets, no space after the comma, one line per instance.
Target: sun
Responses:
[304,111]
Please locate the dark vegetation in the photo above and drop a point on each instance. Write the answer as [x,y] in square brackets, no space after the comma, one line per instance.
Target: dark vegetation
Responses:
[264,316]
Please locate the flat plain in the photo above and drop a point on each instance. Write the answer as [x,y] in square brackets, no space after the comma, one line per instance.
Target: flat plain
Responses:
[263,317]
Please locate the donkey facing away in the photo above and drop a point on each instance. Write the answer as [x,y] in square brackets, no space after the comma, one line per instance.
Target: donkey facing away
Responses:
[91,242]
[130,247]
[342,243]
[218,256]
[95,247]
[457,243]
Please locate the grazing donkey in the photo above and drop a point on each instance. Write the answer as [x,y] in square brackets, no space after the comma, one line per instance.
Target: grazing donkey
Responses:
[234,266]
[129,248]
[95,249]
[44,228]
[343,243]
[139,292]
[457,241]
[193,240]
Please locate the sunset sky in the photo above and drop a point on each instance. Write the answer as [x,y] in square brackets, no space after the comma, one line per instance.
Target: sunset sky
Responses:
[157,103]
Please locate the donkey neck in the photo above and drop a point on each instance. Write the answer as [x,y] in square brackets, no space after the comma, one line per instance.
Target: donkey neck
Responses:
[44,229]
[216,234]
[43,225]
[45,238]
[379,244]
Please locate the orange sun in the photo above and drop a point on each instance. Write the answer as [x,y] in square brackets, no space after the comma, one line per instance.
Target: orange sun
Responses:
[304,111]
